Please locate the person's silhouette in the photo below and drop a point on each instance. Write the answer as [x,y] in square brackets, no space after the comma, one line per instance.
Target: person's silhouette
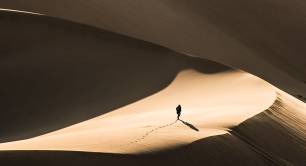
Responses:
[178,111]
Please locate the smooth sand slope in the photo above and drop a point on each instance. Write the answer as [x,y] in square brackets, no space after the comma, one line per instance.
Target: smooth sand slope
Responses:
[232,129]
[263,37]
[76,95]
[211,105]
[56,73]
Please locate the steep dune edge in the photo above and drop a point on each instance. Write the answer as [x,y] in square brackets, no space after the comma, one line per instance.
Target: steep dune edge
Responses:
[265,139]
[276,136]
[279,133]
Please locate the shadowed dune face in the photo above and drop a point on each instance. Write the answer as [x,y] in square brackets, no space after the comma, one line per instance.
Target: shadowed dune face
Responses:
[280,131]
[56,73]
[76,88]
[263,37]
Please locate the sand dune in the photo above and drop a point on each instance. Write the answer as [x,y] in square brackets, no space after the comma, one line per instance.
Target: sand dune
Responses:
[60,73]
[285,122]
[150,124]
[263,37]
[76,95]
[264,139]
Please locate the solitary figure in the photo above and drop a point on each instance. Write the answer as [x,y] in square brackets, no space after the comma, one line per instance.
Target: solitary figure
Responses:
[178,111]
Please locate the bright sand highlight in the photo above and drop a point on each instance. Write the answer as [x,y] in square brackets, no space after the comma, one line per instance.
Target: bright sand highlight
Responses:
[211,104]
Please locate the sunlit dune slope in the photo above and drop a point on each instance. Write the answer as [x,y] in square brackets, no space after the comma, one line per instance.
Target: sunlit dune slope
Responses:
[212,103]
[243,133]
[55,73]
[71,94]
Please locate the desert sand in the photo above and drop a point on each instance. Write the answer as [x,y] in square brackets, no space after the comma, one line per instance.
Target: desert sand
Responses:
[150,124]
[72,94]
[263,37]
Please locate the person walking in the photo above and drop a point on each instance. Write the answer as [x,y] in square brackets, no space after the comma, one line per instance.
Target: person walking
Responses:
[178,111]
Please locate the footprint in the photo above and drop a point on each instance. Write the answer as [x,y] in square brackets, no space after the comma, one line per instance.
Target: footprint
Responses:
[149,132]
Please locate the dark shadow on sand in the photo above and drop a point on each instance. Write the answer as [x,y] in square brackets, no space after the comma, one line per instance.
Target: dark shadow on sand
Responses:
[189,125]
[212,151]
[56,73]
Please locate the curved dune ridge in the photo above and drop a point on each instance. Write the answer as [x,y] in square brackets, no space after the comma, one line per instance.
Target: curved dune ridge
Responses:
[77,95]
[224,132]
[211,105]
[58,67]
[263,37]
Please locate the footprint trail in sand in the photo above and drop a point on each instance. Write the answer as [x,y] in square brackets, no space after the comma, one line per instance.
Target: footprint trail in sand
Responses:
[151,131]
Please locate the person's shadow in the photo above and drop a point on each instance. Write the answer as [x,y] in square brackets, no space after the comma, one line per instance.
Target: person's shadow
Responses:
[189,125]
